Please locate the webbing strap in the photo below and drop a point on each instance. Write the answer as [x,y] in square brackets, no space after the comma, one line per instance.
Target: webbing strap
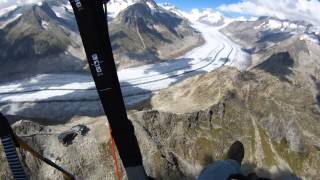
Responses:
[115,159]
[26,147]
[13,159]
[11,141]
[93,27]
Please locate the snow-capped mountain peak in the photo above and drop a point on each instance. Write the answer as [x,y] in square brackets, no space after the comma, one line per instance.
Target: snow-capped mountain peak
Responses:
[116,6]
[172,8]
[207,16]
[282,25]
[268,25]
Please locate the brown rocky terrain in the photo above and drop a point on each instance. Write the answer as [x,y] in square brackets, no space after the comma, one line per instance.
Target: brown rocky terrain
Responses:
[276,119]
[88,157]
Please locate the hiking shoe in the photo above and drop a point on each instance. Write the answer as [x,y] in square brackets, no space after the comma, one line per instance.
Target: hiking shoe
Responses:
[236,152]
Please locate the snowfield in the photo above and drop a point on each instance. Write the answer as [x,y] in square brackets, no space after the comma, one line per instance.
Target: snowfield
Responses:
[61,96]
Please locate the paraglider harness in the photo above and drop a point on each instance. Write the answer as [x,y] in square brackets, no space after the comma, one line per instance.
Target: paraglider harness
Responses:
[91,16]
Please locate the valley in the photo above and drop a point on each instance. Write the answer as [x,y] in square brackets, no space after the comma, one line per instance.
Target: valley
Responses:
[57,93]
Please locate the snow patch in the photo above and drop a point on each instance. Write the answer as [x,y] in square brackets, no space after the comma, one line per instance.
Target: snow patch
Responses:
[116,6]
[293,26]
[274,24]
[309,37]
[45,24]
[281,25]
[151,6]
[7,10]
[173,9]
[8,3]
[64,11]
[5,23]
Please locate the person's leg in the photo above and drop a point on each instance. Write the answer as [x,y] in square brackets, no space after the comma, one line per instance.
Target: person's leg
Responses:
[222,170]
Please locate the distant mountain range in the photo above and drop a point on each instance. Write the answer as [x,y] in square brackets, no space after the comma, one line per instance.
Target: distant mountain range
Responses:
[45,35]
[256,35]
[207,16]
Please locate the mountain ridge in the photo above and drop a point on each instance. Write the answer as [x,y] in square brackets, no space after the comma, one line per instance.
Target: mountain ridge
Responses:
[41,32]
[152,33]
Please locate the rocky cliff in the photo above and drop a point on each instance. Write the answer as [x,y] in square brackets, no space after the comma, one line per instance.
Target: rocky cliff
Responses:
[276,120]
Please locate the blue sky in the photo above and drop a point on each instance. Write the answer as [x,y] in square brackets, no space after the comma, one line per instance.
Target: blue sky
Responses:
[302,10]
[191,4]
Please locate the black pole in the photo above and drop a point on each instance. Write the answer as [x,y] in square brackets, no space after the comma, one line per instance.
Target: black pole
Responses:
[93,27]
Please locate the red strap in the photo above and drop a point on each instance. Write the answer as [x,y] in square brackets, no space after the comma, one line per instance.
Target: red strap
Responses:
[115,158]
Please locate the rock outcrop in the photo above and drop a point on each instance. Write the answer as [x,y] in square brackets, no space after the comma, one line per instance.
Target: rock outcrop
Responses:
[88,157]
[278,120]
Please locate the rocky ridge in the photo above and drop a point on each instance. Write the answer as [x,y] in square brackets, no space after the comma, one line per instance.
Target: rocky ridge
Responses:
[146,33]
[46,35]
